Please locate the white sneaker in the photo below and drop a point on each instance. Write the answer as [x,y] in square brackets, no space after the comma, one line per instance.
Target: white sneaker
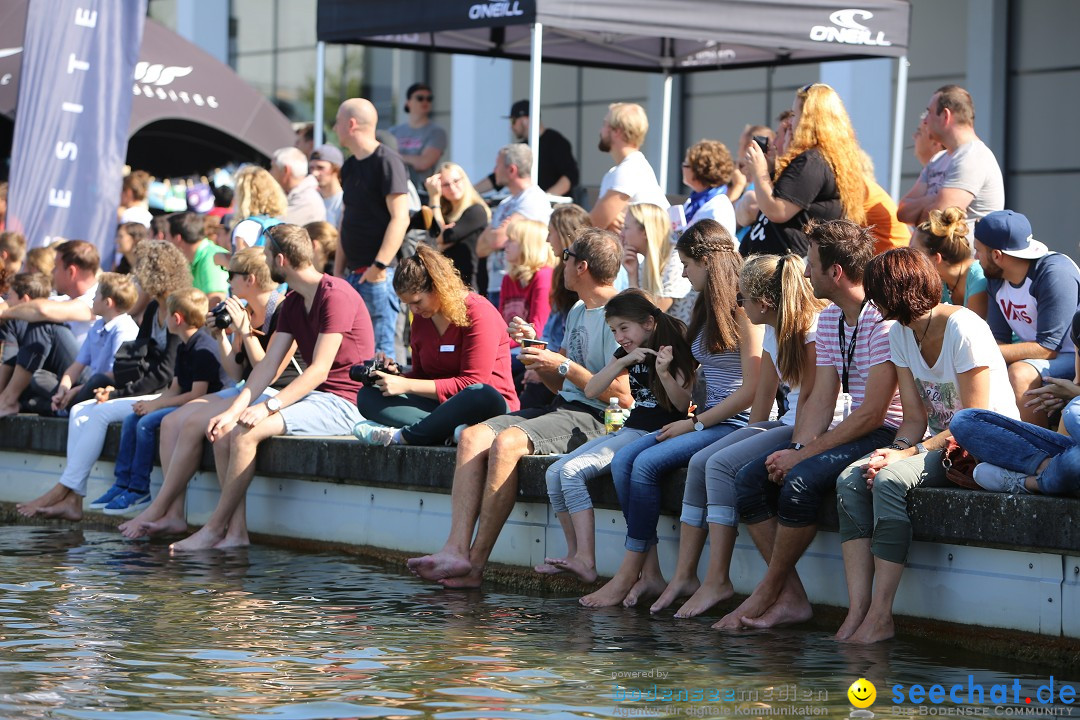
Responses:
[371,433]
[998,479]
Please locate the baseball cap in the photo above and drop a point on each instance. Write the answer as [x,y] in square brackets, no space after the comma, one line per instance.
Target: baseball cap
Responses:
[329,153]
[1009,232]
[519,109]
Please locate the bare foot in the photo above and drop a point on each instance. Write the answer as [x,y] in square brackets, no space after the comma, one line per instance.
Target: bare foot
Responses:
[706,596]
[874,629]
[470,581]
[440,566]
[230,541]
[677,588]
[548,567]
[157,528]
[583,571]
[57,493]
[69,508]
[644,588]
[787,610]
[6,410]
[204,539]
[851,623]
[613,593]
[733,620]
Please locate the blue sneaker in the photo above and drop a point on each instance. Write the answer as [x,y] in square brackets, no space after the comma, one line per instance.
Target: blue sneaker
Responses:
[128,502]
[372,433]
[107,498]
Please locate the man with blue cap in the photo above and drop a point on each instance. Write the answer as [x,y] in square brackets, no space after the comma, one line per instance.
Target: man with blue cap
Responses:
[1034,294]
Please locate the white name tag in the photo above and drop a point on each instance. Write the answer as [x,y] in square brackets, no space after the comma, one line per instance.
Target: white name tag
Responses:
[446,348]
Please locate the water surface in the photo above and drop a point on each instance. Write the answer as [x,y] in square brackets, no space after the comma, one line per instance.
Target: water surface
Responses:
[92,626]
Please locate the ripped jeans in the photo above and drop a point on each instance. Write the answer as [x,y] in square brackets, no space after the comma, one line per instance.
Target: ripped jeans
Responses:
[798,501]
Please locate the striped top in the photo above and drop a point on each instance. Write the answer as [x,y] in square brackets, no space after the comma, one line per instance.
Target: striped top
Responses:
[723,371]
[871,348]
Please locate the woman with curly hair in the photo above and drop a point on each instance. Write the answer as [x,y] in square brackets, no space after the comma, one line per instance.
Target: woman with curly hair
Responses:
[160,270]
[944,238]
[461,361]
[818,177]
[707,170]
[259,203]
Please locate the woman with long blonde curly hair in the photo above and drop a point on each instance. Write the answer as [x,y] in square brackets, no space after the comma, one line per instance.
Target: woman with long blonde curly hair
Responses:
[818,177]
[259,199]
[461,361]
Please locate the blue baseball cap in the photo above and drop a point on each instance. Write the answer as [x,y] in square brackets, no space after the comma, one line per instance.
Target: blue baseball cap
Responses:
[1009,232]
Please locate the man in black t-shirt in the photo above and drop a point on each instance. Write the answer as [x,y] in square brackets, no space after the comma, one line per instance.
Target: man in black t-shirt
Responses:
[557,172]
[375,217]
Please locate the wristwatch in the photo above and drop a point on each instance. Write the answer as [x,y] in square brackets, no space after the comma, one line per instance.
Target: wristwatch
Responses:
[698,425]
[380,265]
[273,405]
[921,448]
[564,367]
[795,446]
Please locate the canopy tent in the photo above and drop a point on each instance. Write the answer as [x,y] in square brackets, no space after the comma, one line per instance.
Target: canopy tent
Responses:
[190,112]
[668,36]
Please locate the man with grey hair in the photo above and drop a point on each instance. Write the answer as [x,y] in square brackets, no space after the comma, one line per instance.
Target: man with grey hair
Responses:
[289,167]
[513,169]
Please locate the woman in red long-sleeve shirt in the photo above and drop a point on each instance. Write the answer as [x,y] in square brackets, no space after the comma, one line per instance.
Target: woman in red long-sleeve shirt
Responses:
[461,361]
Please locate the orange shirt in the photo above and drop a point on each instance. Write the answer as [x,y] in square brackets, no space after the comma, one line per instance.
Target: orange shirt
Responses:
[888,232]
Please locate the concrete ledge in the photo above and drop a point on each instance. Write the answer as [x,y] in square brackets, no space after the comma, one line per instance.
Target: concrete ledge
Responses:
[941,515]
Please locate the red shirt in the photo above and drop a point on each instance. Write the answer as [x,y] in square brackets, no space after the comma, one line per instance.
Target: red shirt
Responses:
[463,356]
[336,308]
[530,302]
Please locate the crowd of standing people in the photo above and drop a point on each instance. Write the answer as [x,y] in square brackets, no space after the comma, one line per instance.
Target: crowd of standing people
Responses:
[788,334]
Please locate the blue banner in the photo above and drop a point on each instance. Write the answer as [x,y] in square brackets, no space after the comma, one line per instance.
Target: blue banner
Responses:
[72,118]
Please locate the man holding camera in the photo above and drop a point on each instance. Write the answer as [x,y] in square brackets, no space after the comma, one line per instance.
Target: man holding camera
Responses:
[327,321]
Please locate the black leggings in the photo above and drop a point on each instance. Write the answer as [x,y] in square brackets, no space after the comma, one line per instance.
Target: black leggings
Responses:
[425,421]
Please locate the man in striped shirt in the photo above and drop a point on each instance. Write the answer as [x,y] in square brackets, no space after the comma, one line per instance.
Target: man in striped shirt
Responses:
[780,495]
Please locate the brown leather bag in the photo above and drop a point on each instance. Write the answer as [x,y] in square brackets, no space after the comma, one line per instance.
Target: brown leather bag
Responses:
[959,465]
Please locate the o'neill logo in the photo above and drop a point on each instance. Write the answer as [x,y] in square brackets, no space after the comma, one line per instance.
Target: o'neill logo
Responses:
[495,9]
[150,77]
[848,30]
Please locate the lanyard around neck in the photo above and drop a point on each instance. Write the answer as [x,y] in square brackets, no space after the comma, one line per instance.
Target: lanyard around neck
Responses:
[850,354]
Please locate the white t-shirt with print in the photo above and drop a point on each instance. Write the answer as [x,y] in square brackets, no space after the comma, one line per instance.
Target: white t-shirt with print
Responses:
[968,344]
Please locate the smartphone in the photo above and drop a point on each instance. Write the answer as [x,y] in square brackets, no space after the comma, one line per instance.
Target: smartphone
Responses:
[526,342]
[763,143]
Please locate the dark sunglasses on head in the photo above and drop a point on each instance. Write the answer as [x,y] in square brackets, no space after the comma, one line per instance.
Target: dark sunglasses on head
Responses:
[567,254]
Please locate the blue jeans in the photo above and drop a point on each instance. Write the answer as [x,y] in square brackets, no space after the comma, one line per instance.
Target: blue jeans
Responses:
[639,468]
[798,501]
[138,447]
[1021,447]
[382,306]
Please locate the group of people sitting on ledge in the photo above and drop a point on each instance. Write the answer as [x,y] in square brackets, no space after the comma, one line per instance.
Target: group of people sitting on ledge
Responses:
[776,379]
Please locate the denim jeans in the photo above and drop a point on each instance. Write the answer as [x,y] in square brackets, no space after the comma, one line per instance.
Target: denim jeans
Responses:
[639,468]
[798,501]
[425,421]
[383,307]
[138,448]
[567,478]
[1021,447]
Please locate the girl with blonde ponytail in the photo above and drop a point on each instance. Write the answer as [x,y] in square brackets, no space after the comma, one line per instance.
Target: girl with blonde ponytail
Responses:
[777,295]
[944,238]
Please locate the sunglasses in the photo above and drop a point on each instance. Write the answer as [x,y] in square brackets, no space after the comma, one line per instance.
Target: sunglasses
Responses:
[567,254]
[234,273]
[423,98]
[740,300]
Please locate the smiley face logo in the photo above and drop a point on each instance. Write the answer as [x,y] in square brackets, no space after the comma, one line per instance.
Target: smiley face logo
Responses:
[862,693]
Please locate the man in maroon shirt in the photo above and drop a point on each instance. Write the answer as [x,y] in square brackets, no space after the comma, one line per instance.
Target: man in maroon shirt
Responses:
[330,325]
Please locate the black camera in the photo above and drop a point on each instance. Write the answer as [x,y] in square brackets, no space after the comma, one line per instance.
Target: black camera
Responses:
[222,318]
[366,372]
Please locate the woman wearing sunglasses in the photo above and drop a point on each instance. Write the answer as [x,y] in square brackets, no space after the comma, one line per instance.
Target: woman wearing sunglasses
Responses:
[421,143]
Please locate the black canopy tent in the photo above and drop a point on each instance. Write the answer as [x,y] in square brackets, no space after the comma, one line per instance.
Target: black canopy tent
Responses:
[190,111]
[665,36]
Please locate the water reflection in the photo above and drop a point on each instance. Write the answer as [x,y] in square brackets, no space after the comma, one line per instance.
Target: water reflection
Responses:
[92,626]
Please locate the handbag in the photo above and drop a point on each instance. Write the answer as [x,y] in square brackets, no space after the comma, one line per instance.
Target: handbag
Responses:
[959,465]
[131,363]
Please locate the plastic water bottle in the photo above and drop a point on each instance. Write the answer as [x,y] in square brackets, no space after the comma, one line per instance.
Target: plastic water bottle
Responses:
[613,416]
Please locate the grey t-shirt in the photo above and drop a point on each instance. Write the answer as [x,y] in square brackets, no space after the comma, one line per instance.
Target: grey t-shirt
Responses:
[531,204]
[934,172]
[975,169]
[414,141]
[590,343]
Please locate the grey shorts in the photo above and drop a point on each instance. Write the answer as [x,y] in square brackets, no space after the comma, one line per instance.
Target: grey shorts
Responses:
[1063,366]
[555,429]
[320,413]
